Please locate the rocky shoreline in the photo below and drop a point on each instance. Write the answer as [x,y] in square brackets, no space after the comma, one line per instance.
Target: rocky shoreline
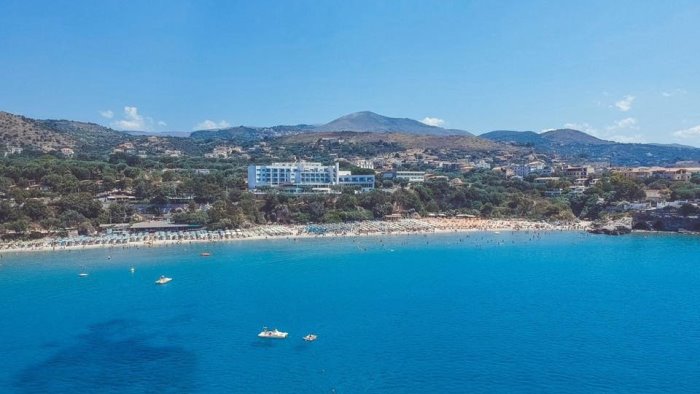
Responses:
[612,227]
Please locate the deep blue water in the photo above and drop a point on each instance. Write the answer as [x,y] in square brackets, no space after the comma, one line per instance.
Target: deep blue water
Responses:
[564,312]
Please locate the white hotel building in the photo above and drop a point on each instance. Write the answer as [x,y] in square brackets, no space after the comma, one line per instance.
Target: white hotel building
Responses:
[302,175]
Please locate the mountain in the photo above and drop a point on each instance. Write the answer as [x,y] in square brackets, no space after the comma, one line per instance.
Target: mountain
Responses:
[403,140]
[575,144]
[548,138]
[365,128]
[85,134]
[231,133]
[673,145]
[569,136]
[244,133]
[48,135]
[367,121]
[179,134]
[19,131]
[514,137]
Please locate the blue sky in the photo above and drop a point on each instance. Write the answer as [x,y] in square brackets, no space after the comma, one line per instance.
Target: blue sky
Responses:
[623,70]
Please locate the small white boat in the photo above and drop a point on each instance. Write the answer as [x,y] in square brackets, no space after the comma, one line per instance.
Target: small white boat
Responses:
[311,337]
[83,274]
[274,334]
[163,280]
[132,269]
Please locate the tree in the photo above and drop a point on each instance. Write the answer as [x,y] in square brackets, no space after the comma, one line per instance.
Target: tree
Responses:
[383,209]
[346,202]
[316,210]
[86,228]
[18,226]
[407,200]
[158,197]
[688,209]
[7,212]
[5,184]
[82,203]
[142,188]
[622,188]
[35,209]
[71,218]
[198,218]
[281,214]
[487,209]
[120,213]
[51,223]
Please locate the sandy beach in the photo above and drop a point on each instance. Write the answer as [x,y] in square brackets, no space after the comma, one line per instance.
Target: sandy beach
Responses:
[357,229]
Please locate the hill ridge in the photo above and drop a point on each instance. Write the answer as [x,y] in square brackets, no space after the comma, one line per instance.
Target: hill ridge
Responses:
[368,121]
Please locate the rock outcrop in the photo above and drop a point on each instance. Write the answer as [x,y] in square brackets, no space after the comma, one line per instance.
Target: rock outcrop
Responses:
[673,220]
[612,227]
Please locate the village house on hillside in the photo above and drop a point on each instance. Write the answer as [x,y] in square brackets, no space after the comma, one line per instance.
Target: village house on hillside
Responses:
[673,174]
[223,152]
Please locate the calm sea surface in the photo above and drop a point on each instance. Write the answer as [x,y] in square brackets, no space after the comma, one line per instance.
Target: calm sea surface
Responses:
[560,312]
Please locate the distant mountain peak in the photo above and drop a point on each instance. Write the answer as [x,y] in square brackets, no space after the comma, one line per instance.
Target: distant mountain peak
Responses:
[362,113]
[571,136]
[368,121]
[551,137]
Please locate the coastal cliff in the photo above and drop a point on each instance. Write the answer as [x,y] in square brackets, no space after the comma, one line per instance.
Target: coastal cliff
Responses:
[673,220]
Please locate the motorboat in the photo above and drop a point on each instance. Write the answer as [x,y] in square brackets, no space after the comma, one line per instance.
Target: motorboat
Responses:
[83,274]
[205,254]
[132,269]
[163,280]
[273,334]
[311,337]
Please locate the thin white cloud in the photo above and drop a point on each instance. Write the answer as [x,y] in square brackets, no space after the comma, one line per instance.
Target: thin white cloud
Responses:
[674,92]
[211,125]
[626,123]
[585,127]
[628,139]
[132,120]
[612,132]
[625,104]
[107,114]
[430,121]
[690,133]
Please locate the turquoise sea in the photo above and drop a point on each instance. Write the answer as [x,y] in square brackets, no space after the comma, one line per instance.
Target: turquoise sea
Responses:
[481,312]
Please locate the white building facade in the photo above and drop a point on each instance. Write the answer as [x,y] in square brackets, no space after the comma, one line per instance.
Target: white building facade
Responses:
[308,174]
[411,176]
